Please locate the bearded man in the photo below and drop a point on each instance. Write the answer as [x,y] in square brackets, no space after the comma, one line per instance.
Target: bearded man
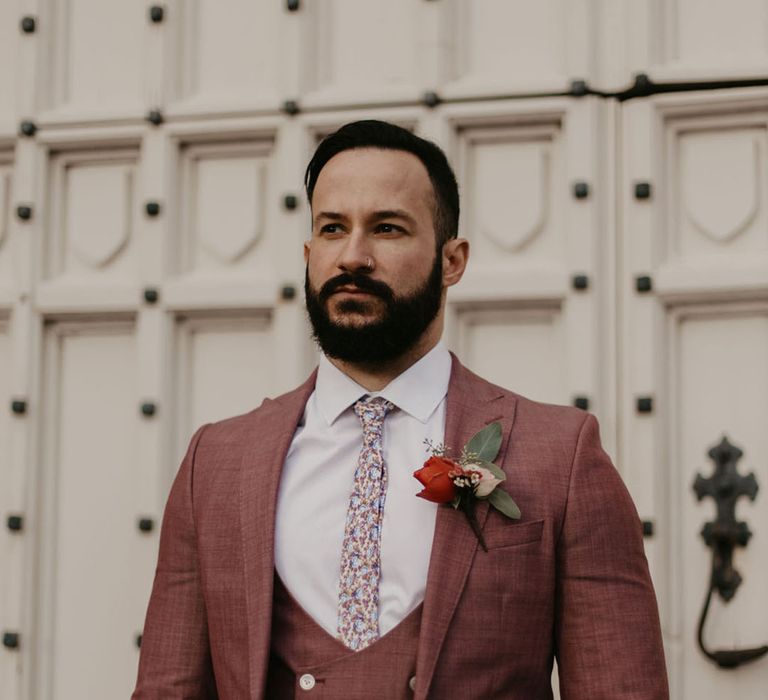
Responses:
[295,560]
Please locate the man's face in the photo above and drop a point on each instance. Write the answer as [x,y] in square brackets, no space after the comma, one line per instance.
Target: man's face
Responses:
[372,206]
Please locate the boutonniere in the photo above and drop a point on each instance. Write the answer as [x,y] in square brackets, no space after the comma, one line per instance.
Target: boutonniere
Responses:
[470,478]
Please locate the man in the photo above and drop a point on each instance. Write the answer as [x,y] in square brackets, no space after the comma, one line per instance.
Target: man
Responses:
[295,559]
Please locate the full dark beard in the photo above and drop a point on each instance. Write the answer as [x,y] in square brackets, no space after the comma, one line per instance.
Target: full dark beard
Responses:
[402,323]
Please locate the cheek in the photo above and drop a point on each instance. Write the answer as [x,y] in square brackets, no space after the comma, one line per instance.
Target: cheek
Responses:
[411,275]
[316,272]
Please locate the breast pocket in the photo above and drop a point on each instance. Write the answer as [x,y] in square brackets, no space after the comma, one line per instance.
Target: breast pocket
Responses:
[513,534]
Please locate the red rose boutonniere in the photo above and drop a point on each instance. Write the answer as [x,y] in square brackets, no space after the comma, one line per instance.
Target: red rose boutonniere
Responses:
[470,478]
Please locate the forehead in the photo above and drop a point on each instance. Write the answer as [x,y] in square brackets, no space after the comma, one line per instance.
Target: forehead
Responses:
[373,177]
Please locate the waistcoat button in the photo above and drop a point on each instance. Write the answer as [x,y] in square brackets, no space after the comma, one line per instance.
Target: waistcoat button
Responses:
[412,682]
[307,681]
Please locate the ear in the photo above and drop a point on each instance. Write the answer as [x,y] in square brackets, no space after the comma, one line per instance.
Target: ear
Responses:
[306,252]
[455,258]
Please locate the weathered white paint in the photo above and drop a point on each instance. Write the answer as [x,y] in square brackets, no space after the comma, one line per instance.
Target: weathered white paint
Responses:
[80,343]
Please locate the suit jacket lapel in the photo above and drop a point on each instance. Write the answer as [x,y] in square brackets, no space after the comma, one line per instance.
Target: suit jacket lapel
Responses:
[261,469]
[472,403]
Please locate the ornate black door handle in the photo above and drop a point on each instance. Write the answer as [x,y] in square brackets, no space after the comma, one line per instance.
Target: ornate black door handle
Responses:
[725,486]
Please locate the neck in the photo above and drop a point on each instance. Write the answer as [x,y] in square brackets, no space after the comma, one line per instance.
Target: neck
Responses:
[375,376]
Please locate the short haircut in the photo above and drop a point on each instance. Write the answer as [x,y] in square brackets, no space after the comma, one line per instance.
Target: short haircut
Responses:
[372,133]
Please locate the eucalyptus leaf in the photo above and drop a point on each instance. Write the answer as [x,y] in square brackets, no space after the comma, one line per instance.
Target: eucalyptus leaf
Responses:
[496,471]
[486,443]
[503,502]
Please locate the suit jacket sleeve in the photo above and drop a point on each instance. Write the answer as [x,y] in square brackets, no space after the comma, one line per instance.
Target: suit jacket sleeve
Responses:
[175,661]
[607,635]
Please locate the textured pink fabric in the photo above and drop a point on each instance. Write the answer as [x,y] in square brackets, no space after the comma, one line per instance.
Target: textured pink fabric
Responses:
[300,645]
[360,573]
[570,578]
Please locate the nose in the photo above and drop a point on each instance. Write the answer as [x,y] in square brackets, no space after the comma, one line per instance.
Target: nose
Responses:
[355,255]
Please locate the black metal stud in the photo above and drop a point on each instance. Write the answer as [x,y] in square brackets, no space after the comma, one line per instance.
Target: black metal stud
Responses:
[151,295]
[24,212]
[28,24]
[15,523]
[643,284]
[645,404]
[27,128]
[152,208]
[430,99]
[146,524]
[291,107]
[642,82]
[148,409]
[642,190]
[648,528]
[292,5]
[581,402]
[288,292]
[579,88]
[137,640]
[580,282]
[290,202]
[581,190]
[154,116]
[11,640]
[19,406]
[156,14]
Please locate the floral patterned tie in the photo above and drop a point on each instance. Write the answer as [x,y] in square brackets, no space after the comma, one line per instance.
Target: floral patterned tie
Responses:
[358,623]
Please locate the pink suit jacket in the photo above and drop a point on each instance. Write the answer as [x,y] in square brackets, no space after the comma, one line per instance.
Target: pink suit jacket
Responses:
[569,579]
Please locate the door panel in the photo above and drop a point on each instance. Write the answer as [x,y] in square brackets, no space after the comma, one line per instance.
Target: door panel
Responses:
[716,33]
[225,367]
[229,50]
[522,348]
[720,365]
[360,49]
[510,42]
[94,586]
[93,201]
[97,54]
[718,194]
[223,199]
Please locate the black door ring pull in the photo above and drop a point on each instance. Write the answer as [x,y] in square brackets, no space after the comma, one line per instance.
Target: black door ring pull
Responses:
[722,535]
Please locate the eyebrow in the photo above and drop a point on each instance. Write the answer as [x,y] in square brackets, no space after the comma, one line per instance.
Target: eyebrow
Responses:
[376,216]
[393,214]
[332,215]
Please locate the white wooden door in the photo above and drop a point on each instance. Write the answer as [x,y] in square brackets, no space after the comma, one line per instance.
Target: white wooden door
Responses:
[151,270]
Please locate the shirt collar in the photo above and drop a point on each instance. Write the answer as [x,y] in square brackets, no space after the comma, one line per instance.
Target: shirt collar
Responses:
[417,391]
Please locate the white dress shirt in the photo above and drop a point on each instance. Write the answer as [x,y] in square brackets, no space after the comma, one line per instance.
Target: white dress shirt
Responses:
[317,480]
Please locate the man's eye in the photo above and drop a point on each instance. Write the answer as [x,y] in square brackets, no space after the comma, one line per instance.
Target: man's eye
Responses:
[331,228]
[388,228]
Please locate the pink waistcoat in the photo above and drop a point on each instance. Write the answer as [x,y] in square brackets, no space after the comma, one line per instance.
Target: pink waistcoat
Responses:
[307,663]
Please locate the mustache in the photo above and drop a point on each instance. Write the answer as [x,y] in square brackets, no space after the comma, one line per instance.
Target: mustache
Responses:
[360,281]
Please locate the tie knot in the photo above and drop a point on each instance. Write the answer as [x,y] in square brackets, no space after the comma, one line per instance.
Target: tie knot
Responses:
[371,411]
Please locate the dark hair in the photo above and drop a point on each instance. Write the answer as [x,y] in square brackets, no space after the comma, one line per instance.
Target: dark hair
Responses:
[372,133]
